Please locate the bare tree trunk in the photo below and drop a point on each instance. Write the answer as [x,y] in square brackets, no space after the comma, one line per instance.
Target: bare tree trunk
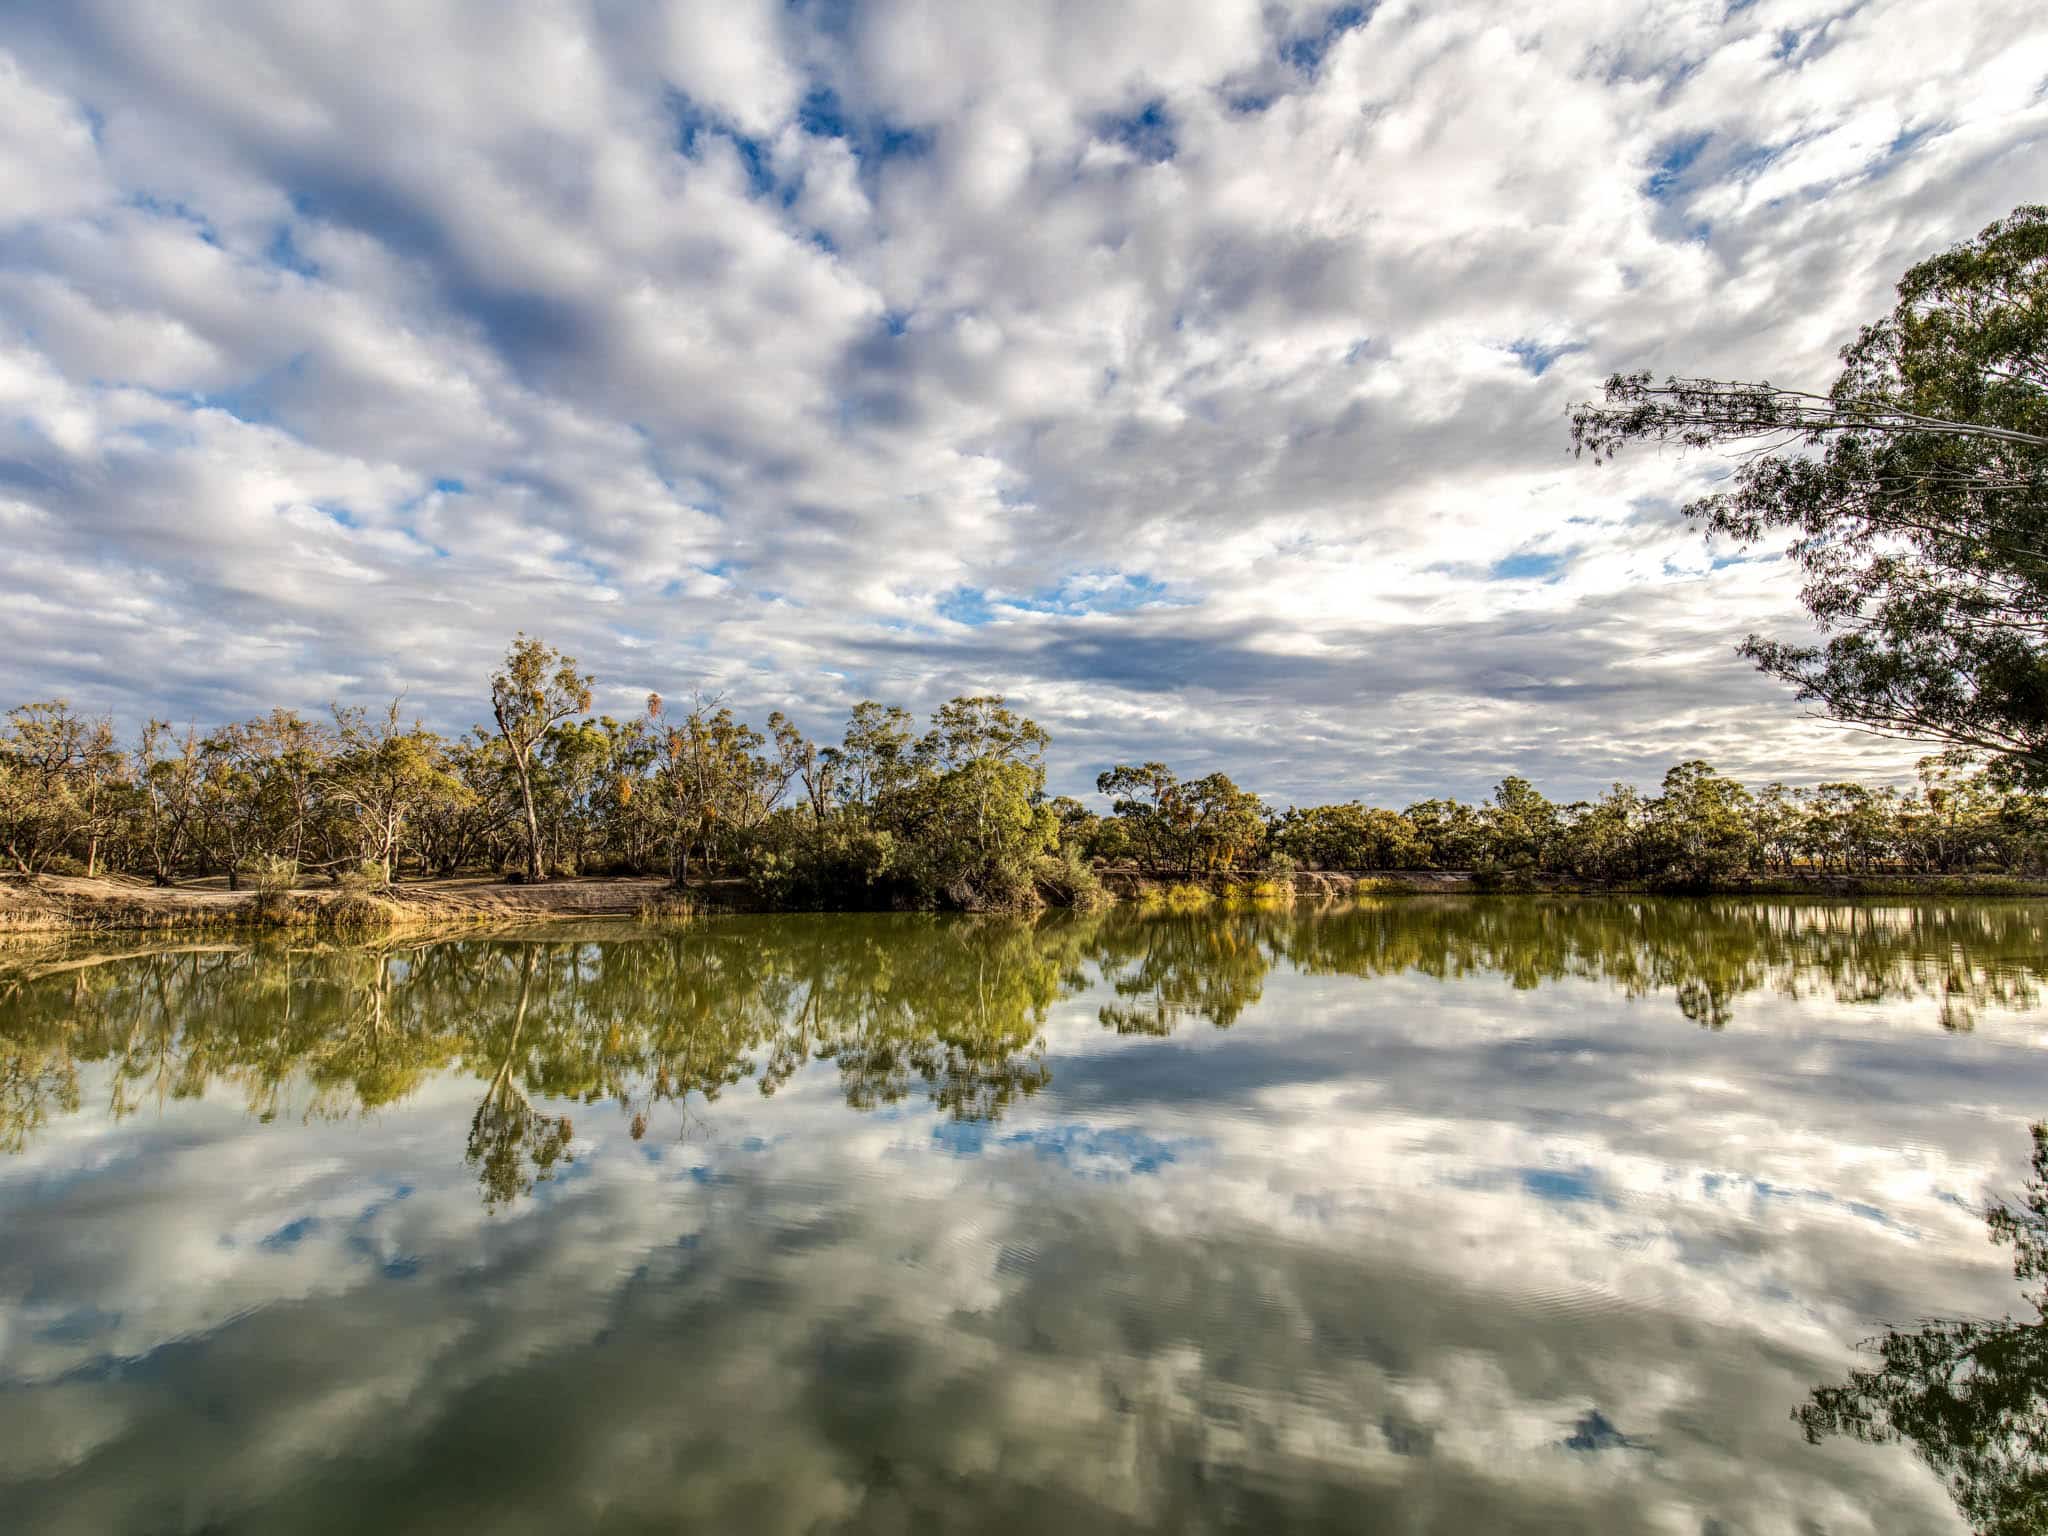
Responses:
[533,869]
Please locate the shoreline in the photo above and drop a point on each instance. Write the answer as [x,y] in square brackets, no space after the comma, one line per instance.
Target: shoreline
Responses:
[74,904]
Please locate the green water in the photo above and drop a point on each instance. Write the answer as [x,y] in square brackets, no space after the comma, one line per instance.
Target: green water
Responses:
[1428,1215]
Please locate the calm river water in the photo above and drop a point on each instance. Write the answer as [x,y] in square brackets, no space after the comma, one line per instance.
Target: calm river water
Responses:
[1422,1216]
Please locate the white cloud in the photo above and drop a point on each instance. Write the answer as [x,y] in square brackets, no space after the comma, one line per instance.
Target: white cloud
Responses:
[718,344]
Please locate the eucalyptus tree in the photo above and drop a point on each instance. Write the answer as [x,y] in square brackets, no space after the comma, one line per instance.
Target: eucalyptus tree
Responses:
[1144,798]
[60,777]
[983,821]
[382,778]
[876,759]
[1703,826]
[1185,826]
[536,690]
[1521,824]
[288,755]
[167,772]
[230,801]
[705,775]
[1350,836]
[1454,834]
[1915,492]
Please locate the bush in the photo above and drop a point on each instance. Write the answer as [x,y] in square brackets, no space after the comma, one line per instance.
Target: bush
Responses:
[274,873]
[1002,884]
[1493,880]
[817,869]
[362,876]
[1066,879]
[355,912]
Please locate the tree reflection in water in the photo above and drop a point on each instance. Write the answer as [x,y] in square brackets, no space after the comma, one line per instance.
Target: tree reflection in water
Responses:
[952,1009]
[1971,1397]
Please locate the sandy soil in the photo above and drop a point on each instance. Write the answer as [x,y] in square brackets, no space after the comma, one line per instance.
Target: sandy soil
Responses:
[66,901]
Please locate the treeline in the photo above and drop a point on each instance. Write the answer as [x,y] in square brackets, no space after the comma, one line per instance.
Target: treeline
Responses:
[953,814]
[1704,829]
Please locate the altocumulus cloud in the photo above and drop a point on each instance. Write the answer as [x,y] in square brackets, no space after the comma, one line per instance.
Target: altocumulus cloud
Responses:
[1194,373]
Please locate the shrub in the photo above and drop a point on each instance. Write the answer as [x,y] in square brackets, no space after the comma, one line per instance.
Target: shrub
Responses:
[1066,879]
[828,868]
[274,873]
[363,875]
[355,912]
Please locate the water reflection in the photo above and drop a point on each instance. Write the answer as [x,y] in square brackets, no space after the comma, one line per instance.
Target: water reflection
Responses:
[950,1009]
[1429,1215]
[1970,1396]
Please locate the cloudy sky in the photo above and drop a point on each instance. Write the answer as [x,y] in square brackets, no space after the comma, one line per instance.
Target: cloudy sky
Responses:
[1196,374]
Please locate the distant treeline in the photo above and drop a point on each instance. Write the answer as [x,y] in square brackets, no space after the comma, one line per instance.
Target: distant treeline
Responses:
[953,815]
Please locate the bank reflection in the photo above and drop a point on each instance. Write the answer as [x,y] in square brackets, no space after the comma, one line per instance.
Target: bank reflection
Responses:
[952,1011]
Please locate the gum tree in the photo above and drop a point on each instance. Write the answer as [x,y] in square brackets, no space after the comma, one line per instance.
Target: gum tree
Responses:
[1915,492]
[537,689]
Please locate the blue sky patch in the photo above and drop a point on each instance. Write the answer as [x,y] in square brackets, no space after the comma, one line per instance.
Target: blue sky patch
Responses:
[1561,1185]
[283,252]
[1085,1149]
[966,605]
[1304,52]
[1536,357]
[1146,133]
[1671,166]
[1528,565]
[873,139]
[290,1235]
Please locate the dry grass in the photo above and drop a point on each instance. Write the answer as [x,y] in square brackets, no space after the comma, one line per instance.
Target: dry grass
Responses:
[666,906]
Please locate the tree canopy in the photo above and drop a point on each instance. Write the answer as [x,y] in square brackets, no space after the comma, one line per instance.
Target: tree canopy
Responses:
[954,813]
[1915,492]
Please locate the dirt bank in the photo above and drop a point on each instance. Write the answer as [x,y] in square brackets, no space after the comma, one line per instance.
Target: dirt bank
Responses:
[61,902]
[58,903]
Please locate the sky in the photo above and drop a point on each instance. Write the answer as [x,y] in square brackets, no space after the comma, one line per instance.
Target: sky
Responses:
[1195,374]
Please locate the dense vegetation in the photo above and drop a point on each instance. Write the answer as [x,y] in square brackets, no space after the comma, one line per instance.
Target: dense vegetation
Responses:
[955,815]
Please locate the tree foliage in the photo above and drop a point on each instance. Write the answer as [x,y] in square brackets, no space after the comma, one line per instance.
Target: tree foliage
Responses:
[892,815]
[537,689]
[1915,495]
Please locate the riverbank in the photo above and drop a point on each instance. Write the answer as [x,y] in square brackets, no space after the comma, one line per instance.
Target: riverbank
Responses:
[61,903]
